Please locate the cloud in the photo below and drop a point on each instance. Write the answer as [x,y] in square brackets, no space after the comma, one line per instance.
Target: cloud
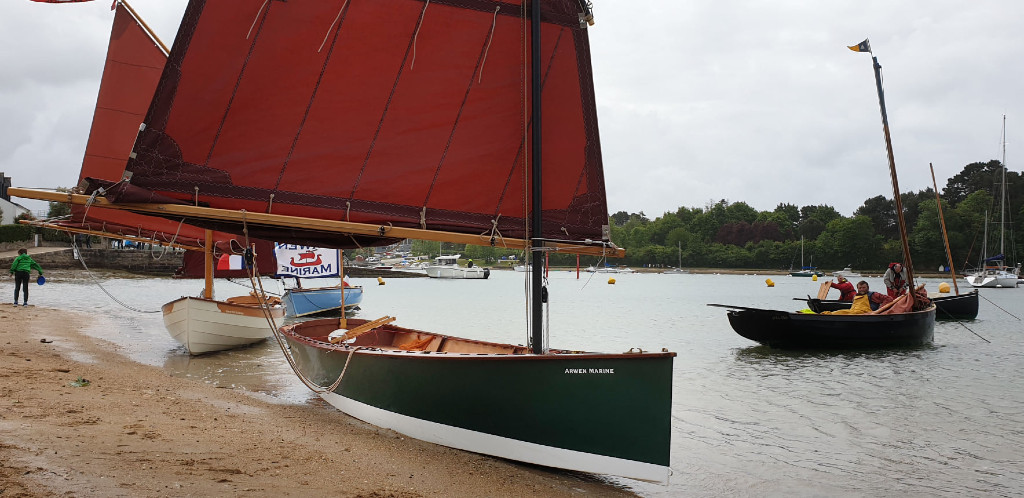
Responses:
[700,100]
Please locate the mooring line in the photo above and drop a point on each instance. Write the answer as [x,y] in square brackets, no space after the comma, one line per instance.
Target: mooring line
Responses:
[997,306]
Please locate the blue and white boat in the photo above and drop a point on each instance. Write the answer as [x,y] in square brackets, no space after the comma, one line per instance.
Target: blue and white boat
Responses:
[299,301]
[306,262]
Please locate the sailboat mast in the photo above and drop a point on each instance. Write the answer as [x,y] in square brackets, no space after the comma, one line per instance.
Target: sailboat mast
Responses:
[945,238]
[537,263]
[907,263]
[1002,196]
[208,265]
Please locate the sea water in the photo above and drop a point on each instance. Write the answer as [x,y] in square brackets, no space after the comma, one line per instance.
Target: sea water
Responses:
[943,420]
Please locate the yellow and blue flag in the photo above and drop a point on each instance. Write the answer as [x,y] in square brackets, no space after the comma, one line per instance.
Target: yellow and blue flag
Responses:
[863,46]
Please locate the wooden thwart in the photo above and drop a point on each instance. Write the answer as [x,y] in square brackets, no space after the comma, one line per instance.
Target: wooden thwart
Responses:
[362,329]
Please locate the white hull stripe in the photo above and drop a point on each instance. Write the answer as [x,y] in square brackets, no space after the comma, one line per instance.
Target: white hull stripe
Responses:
[489,444]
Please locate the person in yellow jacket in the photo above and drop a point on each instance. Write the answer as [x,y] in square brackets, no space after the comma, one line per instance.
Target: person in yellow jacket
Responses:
[864,302]
[21,268]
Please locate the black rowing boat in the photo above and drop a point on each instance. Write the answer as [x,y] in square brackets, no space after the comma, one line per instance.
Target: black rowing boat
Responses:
[790,330]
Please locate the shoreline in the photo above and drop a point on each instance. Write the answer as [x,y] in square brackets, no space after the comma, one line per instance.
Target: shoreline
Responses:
[741,271]
[137,430]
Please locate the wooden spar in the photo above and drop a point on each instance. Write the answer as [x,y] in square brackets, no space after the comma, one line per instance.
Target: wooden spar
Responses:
[110,235]
[311,224]
[907,263]
[208,266]
[146,27]
[945,238]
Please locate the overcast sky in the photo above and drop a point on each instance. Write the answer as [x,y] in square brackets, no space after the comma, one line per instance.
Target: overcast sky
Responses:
[698,100]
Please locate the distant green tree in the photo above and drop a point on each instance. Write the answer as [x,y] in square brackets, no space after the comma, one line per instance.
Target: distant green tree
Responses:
[661,227]
[974,177]
[850,242]
[926,245]
[882,213]
[738,212]
[811,228]
[790,212]
[822,213]
[620,218]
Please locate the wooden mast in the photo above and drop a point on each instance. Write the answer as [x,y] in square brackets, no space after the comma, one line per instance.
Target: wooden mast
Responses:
[945,238]
[907,262]
[208,266]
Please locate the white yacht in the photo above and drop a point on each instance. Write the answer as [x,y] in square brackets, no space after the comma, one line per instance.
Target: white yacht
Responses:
[448,267]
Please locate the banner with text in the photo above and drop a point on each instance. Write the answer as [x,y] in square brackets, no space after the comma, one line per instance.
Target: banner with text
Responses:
[305,261]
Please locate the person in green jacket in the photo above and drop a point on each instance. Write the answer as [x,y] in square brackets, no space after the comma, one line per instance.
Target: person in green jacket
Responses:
[21,268]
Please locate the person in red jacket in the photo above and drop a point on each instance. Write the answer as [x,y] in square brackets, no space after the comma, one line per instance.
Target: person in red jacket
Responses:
[846,290]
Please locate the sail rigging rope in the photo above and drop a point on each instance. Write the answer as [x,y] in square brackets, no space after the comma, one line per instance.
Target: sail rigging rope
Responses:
[997,306]
[494,22]
[328,33]
[495,233]
[81,258]
[257,282]
[254,19]
[415,35]
[962,324]
[524,198]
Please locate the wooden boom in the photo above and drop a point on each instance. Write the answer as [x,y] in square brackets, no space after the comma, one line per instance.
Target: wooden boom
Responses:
[317,225]
[111,235]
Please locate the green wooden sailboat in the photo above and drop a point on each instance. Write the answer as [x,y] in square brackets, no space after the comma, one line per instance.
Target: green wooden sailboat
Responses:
[354,124]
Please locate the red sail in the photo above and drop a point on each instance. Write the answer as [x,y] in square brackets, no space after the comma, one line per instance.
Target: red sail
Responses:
[398,112]
[135,61]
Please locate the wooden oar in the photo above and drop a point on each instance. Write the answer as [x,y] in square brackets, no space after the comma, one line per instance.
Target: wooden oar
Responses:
[743,308]
[362,329]
[823,290]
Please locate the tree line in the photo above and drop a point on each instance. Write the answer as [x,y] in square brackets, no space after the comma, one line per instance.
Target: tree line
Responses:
[727,234]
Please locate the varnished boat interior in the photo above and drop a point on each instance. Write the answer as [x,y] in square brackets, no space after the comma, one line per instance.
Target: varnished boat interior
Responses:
[391,337]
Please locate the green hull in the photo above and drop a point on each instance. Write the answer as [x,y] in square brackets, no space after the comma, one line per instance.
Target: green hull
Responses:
[603,413]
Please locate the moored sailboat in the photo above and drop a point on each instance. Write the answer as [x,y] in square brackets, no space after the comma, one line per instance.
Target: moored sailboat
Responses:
[679,270]
[805,271]
[266,126]
[992,271]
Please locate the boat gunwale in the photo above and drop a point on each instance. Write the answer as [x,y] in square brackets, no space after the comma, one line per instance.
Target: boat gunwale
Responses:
[290,332]
[811,317]
[273,307]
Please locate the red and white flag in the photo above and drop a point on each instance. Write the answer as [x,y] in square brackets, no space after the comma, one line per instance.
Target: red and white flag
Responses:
[230,262]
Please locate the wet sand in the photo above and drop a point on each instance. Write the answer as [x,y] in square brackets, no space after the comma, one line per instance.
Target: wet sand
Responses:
[136,431]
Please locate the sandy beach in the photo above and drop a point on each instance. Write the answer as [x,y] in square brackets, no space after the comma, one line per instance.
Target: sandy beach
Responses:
[134,430]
